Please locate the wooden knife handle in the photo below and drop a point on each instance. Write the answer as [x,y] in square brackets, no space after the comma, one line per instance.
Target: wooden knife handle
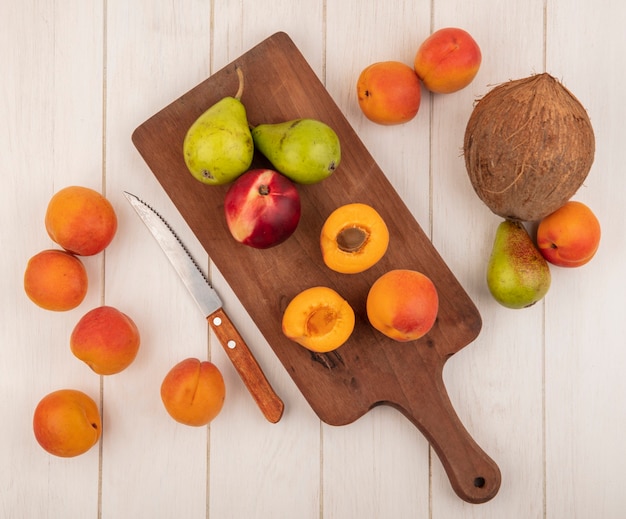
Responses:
[246,365]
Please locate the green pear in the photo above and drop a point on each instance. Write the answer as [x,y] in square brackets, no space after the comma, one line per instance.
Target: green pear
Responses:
[304,150]
[218,146]
[517,274]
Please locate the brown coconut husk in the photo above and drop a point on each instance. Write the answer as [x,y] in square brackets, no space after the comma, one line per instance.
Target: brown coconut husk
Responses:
[528,147]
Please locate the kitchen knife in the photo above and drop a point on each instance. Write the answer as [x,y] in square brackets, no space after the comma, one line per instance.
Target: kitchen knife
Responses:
[209,302]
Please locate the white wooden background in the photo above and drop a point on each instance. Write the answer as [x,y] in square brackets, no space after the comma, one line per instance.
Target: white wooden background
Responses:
[542,390]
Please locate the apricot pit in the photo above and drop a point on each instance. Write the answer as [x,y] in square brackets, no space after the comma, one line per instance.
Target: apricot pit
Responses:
[318,319]
[354,237]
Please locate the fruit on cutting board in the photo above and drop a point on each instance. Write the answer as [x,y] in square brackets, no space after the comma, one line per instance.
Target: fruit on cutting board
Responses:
[80,220]
[517,274]
[528,147]
[55,280]
[105,339]
[448,60]
[218,146]
[67,423]
[305,150]
[354,237]
[402,304]
[570,236]
[193,392]
[389,92]
[319,319]
[262,208]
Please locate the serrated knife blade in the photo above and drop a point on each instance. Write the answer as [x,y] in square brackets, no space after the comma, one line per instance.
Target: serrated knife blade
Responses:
[211,306]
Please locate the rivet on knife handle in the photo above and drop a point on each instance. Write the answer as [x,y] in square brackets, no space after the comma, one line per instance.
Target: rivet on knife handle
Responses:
[247,367]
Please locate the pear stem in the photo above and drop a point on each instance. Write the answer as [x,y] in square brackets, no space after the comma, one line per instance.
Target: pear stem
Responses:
[240,89]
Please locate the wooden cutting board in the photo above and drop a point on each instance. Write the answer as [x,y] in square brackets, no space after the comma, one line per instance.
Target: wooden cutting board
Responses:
[369,369]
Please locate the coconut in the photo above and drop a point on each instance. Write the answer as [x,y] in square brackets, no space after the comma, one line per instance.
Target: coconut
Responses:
[528,147]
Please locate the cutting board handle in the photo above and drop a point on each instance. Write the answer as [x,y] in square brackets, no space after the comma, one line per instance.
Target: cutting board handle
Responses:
[474,476]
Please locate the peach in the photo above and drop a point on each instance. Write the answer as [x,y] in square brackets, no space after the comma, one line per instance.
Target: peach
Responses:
[67,423]
[448,60]
[80,220]
[106,339]
[570,236]
[354,237]
[389,92]
[318,319]
[193,392]
[55,280]
[402,304]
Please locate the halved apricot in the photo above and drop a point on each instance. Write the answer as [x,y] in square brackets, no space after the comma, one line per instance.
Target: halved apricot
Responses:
[319,319]
[354,237]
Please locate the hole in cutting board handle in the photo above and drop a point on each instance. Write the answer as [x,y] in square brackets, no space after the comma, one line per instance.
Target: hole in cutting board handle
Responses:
[479,482]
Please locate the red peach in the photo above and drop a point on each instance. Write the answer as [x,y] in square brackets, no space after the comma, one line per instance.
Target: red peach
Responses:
[262,208]
[448,60]
[570,236]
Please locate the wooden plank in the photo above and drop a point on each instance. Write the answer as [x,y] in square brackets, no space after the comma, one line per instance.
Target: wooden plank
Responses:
[153,466]
[257,468]
[379,466]
[496,385]
[51,98]
[585,355]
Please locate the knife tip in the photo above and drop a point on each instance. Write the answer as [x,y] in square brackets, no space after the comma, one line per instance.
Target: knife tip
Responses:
[130,196]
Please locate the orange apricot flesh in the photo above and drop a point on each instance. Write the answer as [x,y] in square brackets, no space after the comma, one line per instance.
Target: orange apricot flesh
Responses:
[318,319]
[354,237]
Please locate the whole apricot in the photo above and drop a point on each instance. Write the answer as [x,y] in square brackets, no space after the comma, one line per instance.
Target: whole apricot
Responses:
[80,220]
[106,339]
[448,60]
[570,236]
[354,237]
[402,304]
[67,423]
[55,280]
[389,92]
[319,319]
[193,392]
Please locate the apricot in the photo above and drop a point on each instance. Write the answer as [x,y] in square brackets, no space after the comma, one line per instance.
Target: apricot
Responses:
[55,280]
[318,319]
[570,236]
[448,60]
[402,304]
[106,339]
[389,92]
[193,392]
[80,220]
[354,237]
[67,423]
